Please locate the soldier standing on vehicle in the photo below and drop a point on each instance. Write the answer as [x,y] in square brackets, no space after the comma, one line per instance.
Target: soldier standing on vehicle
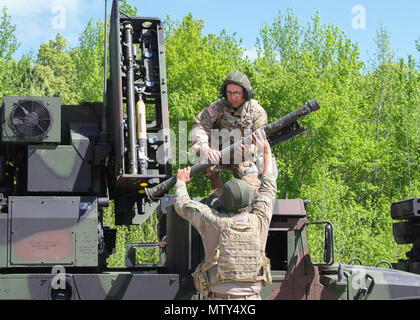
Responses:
[239,114]
[235,235]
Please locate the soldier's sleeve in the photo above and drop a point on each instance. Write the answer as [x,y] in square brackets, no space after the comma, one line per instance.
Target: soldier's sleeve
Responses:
[203,124]
[260,116]
[264,202]
[192,211]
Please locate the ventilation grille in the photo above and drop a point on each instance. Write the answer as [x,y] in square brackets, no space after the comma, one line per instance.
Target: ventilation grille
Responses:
[31,119]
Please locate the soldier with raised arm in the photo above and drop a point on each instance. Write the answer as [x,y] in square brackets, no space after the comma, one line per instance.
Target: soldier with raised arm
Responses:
[235,235]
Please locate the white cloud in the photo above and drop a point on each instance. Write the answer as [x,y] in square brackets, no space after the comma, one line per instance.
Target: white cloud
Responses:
[251,54]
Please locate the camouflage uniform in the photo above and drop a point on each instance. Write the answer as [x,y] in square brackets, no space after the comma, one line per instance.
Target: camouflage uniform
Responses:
[220,115]
[212,226]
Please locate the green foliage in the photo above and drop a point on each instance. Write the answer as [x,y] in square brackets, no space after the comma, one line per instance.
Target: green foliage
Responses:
[27,79]
[127,9]
[8,40]
[361,150]
[56,64]
[145,233]
[88,59]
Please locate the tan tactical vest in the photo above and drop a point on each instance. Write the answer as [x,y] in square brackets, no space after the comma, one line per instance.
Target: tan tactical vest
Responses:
[230,120]
[238,126]
[238,257]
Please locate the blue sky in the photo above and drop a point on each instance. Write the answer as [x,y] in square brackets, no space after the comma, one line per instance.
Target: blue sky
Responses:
[39,20]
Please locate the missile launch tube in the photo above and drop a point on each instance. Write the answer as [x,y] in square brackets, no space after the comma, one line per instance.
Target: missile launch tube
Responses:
[130,96]
[270,129]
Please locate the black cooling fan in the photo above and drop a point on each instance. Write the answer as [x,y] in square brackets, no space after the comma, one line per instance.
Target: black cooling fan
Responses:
[31,119]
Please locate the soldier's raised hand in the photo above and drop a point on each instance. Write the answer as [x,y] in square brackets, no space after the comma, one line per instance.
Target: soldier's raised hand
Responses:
[259,138]
[184,175]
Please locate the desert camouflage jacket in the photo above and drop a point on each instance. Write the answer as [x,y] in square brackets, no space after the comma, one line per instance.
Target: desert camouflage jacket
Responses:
[220,115]
[210,222]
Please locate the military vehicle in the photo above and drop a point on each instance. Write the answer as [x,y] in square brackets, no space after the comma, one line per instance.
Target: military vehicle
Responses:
[61,165]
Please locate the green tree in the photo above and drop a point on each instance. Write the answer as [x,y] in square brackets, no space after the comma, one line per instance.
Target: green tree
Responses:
[8,45]
[8,41]
[88,59]
[56,63]
[352,160]
[313,62]
[28,79]
[127,9]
